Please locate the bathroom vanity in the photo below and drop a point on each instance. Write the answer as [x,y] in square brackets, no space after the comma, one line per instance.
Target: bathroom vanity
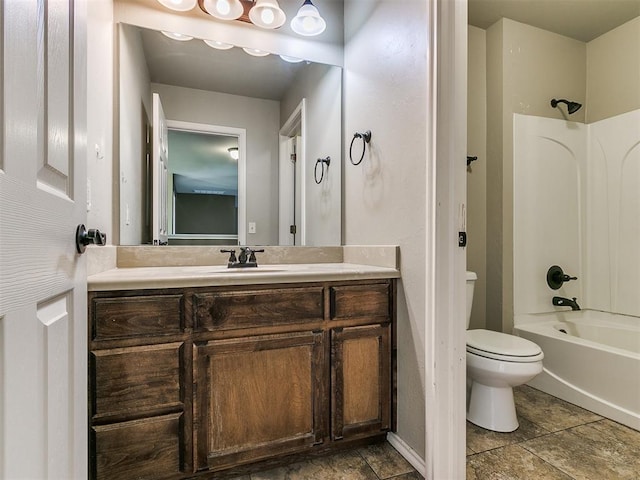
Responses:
[198,372]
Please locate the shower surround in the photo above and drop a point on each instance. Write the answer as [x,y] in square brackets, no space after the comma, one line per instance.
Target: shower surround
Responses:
[577,205]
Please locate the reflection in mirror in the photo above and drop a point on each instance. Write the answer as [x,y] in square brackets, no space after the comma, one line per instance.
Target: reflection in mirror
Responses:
[203,181]
[230,89]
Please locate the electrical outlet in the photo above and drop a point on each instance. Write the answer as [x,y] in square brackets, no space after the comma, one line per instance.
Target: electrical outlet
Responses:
[252,227]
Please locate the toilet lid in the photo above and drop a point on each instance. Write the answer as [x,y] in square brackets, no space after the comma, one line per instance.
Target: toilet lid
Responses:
[501,346]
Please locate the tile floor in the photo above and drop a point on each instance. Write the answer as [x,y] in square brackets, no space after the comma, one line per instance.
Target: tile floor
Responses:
[374,462]
[556,440]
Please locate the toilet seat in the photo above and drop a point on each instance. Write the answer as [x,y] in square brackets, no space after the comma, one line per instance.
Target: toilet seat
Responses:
[503,347]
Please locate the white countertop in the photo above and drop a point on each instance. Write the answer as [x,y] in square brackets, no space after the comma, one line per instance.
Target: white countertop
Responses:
[215,275]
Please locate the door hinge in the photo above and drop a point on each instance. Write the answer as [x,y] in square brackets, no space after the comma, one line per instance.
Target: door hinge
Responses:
[294,157]
[293,229]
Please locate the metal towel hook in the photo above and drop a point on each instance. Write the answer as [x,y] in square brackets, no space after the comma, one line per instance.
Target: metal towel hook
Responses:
[366,138]
[321,162]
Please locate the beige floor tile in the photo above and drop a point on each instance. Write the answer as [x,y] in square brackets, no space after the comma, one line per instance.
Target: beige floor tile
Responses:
[409,476]
[385,460]
[549,412]
[511,463]
[349,465]
[480,440]
[605,449]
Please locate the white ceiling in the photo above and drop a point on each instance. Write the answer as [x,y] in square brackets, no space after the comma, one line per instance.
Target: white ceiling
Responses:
[583,20]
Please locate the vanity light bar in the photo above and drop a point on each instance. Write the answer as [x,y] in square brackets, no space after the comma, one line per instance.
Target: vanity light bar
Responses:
[262,13]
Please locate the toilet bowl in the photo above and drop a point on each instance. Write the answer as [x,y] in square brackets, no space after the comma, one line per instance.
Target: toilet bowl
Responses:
[496,362]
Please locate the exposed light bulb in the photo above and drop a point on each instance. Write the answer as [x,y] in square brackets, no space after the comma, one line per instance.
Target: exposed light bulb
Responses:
[267,16]
[177,36]
[223,7]
[255,52]
[233,152]
[218,45]
[289,59]
[308,21]
[178,5]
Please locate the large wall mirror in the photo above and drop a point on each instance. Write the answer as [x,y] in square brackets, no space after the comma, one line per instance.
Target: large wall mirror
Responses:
[276,117]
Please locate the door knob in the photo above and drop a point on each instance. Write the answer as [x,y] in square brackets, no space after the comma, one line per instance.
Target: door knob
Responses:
[84,238]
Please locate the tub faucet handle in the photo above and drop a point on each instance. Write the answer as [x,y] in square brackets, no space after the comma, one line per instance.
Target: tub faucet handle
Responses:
[556,277]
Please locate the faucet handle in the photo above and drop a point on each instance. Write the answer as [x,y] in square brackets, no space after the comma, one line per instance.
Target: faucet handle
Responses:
[252,256]
[232,256]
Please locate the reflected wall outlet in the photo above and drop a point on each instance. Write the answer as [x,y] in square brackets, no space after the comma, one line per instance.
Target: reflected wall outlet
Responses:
[252,227]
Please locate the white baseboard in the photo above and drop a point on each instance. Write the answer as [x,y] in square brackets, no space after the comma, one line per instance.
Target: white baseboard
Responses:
[408,453]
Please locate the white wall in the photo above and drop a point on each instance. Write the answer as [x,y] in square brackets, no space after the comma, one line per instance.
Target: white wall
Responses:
[577,205]
[613,220]
[134,111]
[321,86]
[385,91]
[261,119]
[100,193]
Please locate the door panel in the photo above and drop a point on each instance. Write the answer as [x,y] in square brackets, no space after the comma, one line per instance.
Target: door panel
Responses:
[43,338]
[160,162]
[257,397]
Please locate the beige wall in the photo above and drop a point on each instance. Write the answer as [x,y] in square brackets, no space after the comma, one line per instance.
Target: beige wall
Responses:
[385,196]
[527,68]
[477,172]
[613,72]
[134,110]
[321,86]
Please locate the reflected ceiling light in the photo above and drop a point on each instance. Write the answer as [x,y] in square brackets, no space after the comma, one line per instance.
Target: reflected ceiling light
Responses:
[267,14]
[289,59]
[233,152]
[223,9]
[179,5]
[255,52]
[218,45]
[177,36]
[308,21]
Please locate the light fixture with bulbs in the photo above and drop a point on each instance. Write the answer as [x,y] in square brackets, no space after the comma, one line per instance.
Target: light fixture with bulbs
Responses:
[262,13]
[233,152]
[177,36]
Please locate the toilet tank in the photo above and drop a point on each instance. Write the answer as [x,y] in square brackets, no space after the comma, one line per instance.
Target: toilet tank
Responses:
[471,280]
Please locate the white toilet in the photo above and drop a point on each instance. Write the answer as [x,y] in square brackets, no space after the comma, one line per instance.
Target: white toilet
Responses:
[496,362]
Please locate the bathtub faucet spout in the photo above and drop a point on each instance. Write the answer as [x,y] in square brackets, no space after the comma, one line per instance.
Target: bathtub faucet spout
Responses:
[565,302]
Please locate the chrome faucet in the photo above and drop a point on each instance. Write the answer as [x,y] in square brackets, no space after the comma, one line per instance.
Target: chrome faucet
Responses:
[246,258]
[565,302]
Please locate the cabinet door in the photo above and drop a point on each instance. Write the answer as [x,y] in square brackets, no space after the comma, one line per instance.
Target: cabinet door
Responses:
[256,397]
[360,381]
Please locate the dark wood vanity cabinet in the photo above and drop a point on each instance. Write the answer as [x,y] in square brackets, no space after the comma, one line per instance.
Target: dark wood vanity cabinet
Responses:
[200,381]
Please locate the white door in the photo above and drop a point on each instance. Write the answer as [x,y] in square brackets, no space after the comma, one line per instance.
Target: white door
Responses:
[160,162]
[43,319]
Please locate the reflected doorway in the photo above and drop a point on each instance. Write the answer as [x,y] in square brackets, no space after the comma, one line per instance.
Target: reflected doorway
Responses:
[206,204]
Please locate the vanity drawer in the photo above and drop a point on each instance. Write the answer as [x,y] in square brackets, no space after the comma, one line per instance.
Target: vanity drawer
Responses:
[256,308]
[364,301]
[122,317]
[124,450]
[136,379]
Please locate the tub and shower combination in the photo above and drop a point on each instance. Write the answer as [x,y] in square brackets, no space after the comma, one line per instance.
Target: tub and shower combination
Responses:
[591,359]
[577,205]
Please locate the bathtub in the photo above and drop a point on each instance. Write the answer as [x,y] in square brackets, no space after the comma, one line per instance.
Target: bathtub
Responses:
[591,359]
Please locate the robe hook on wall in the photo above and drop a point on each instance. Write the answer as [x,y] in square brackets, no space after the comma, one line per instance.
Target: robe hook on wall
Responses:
[321,162]
[366,138]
